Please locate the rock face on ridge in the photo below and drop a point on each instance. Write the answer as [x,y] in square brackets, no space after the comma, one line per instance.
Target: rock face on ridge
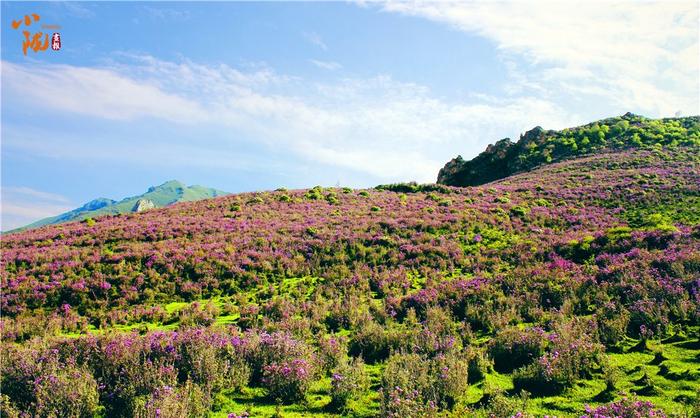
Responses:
[142,205]
[538,146]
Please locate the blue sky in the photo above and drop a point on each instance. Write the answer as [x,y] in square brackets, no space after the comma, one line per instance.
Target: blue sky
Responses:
[251,96]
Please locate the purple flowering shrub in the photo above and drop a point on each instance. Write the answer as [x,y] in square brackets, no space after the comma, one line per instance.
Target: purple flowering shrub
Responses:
[413,381]
[131,368]
[573,354]
[398,402]
[288,380]
[349,381]
[438,333]
[212,361]
[168,402]
[445,276]
[332,352]
[35,382]
[198,315]
[277,350]
[625,408]
[126,374]
[450,373]
[612,322]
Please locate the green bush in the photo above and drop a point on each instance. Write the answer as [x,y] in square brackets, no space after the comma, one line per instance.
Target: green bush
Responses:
[348,382]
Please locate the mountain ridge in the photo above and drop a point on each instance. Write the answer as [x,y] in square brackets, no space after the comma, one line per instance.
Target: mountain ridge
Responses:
[165,194]
[538,146]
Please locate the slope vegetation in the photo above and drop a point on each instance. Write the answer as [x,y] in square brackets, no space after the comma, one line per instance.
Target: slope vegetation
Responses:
[538,146]
[573,284]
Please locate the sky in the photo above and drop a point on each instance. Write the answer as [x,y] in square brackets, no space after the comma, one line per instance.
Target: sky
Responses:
[245,96]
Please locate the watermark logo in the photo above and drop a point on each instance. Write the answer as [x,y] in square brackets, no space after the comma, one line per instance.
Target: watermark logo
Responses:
[37,41]
[56,41]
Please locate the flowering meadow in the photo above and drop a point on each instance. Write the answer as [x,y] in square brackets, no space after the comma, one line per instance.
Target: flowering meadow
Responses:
[572,290]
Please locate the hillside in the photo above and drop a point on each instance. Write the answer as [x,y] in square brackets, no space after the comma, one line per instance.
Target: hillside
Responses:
[539,147]
[166,194]
[577,281]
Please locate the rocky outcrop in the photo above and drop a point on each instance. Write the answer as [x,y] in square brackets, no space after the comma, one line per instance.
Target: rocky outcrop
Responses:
[490,165]
[142,205]
[538,146]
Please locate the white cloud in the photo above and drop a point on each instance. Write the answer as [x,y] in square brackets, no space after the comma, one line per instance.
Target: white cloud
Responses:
[169,14]
[391,130]
[22,205]
[27,191]
[315,39]
[639,55]
[326,65]
[96,92]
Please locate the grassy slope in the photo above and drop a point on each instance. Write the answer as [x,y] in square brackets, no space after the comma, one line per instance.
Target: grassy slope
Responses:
[663,196]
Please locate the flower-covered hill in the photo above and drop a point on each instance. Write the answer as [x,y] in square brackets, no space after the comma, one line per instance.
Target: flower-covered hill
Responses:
[538,147]
[553,281]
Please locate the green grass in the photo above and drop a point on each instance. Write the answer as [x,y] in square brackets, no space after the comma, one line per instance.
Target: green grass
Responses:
[675,379]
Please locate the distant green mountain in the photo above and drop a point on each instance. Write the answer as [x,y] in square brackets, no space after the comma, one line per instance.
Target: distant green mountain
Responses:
[539,147]
[156,197]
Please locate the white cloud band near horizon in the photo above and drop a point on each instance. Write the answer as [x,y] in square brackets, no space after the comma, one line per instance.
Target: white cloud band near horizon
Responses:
[22,205]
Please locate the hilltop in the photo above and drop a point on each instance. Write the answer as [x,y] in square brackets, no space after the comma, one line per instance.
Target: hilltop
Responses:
[575,280]
[166,194]
[538,146]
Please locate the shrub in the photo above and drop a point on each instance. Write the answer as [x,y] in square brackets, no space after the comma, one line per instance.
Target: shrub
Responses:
[314,194]
[211,361]
[168,402]
[437,334]
[7,409]
[348,382]
[277,348]
[332,352]
[478,365]
[519,211]
[400,403]
[450,374]
[288,381]
[625,408]
[36,381]
[647,318]
[572,356]
[370,342]
[415,381]
[612,321]
[513,348]
[405,379]
[197,314]
[71,392]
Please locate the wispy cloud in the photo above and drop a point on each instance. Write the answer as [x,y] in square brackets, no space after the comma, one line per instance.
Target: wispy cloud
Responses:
[326,65]
[77,9]
[389,129]
[641,56]
[37,194]
[20,206]
[96,92]
[315,39]
[169,14]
